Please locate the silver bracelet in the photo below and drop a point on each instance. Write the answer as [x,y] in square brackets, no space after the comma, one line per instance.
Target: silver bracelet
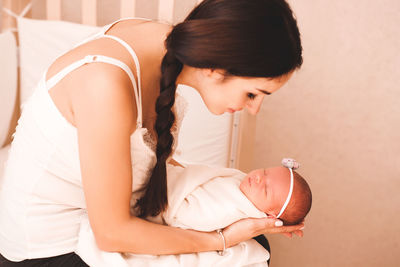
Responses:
[221,252]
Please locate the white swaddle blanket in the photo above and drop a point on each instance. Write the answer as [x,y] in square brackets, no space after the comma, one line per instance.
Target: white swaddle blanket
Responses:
[201,198]
[206,198]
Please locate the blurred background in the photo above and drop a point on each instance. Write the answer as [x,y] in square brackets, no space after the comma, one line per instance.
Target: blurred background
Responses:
[339,116]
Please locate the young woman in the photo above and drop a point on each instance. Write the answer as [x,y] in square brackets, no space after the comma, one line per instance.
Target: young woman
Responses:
[99,121]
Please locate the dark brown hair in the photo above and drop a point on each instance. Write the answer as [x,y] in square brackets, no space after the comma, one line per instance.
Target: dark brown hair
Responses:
[300,202]
[248,38]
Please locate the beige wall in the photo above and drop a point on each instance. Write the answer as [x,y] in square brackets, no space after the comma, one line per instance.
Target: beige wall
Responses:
[340,117]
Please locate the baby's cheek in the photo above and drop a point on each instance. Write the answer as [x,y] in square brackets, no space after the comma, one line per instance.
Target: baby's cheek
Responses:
[242,188]
[262,204]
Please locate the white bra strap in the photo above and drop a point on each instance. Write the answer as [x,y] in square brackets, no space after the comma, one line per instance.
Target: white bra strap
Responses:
[90,59]
[138,90]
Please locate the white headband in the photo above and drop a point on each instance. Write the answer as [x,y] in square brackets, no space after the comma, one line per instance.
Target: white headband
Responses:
[291,164]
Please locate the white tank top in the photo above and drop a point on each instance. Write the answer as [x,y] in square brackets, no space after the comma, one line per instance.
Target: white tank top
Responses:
[41,195]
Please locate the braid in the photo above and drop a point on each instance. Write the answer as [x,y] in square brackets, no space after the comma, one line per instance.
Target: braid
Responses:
[155,197]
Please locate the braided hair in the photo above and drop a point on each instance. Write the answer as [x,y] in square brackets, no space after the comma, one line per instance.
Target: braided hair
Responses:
[247,38]
[155,197]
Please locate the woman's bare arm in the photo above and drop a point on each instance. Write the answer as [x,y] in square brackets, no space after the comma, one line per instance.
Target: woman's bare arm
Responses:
[105,116]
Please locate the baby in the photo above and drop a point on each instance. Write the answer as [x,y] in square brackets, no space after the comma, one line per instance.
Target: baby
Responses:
[207,198]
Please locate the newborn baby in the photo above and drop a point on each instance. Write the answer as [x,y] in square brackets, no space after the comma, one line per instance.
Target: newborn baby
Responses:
[207,198]
[274,192]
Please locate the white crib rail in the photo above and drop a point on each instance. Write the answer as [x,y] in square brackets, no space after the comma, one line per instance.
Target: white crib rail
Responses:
[89,11]
[128,8]
[166,9]
[53,9]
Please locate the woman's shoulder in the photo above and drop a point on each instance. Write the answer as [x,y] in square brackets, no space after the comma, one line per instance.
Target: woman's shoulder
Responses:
[106,97]
[113,83]
[91,89]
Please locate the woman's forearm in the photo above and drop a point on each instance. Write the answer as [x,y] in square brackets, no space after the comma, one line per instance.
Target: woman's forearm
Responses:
[142,237]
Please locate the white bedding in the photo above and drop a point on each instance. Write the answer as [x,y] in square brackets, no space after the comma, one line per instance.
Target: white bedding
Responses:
[201,198]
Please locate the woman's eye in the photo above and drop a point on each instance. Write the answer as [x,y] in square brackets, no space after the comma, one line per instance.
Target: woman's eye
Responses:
[251,96]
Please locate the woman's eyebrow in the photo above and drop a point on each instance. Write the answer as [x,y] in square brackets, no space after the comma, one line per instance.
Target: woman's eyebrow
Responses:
[263,91]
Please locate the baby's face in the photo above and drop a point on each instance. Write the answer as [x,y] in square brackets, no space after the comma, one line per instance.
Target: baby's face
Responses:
[267,189]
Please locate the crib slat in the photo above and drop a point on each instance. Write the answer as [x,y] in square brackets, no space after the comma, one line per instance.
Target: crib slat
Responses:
[53,9]
[244,157]
[128,8]
[89,12]
[166,10]
[13,8]
[7,21]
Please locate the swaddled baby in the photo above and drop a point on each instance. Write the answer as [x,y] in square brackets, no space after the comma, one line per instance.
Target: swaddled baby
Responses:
[208,198]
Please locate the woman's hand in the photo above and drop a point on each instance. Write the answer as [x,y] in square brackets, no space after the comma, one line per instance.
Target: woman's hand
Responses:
[246,229]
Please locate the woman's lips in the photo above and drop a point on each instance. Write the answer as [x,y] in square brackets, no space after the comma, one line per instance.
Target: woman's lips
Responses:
[231,110]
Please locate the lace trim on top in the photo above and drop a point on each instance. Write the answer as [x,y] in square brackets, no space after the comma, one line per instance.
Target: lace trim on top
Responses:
[179,109]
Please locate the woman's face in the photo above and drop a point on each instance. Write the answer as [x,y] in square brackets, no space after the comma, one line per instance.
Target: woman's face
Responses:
[267,189]
[229,94]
